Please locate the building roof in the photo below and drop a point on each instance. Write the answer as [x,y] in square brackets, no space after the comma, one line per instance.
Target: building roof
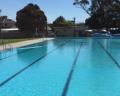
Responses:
[9,29]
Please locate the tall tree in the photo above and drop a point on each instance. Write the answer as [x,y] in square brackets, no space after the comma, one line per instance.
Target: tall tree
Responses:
[31,19]
[106,13]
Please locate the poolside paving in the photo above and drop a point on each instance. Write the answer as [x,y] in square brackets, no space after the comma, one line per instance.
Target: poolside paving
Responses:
[22,43]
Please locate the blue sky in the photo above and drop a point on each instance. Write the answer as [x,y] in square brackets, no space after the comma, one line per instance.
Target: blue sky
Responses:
[52,9]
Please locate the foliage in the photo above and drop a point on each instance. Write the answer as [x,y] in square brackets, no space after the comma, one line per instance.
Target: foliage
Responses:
[61,22]
[31,19]
[80,24]
[103,13]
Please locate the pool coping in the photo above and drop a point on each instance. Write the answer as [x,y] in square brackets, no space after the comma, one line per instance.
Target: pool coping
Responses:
[22,43]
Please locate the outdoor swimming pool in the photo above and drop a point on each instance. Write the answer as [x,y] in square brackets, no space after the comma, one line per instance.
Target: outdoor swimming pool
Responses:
[62,67]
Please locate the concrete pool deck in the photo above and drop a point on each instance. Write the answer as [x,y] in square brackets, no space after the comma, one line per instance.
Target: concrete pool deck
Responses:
[22,43]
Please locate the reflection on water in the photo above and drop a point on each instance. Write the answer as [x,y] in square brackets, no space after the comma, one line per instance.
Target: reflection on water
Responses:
[94,51]
[7,53]
[94,75]
[114,44]
[69,44]
[31,53]
[114,48]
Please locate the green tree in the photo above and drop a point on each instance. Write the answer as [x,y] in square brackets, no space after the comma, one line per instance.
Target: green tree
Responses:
[31,19]
[62,22]
[103,13]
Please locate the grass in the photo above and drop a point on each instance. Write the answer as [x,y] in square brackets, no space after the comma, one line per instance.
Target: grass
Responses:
[7,41]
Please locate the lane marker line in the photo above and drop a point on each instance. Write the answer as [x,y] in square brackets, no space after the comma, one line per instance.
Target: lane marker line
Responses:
[66,87]
[109,54]
[25,68]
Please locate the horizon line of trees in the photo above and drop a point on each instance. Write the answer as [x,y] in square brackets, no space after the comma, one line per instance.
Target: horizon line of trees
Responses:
[32,20]
[62,22]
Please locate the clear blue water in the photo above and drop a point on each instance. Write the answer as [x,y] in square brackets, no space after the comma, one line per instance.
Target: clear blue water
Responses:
[94,74]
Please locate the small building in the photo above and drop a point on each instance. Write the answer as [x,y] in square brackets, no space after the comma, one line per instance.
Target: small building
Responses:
[70,31]
[7,23]
[10,33]
[9,29]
